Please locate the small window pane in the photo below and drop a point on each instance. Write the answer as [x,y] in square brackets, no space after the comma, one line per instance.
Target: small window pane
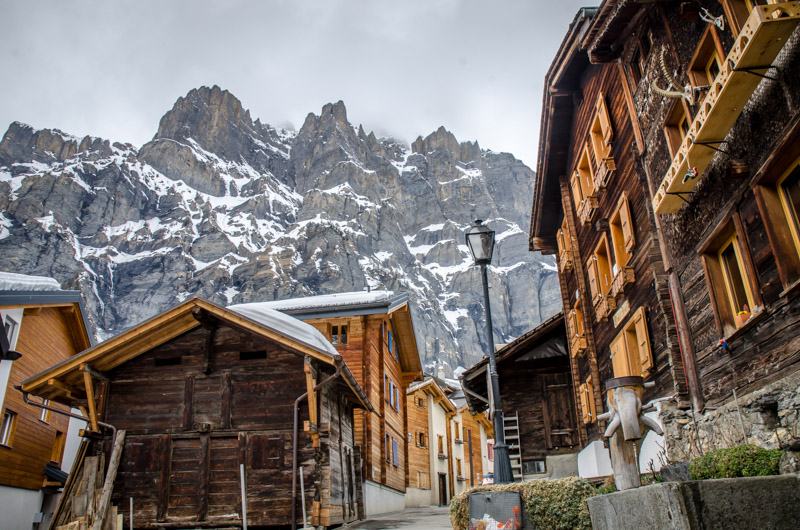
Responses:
[7,428]
[734,277]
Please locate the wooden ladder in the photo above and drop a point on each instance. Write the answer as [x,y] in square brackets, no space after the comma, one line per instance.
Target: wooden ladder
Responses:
[511,431]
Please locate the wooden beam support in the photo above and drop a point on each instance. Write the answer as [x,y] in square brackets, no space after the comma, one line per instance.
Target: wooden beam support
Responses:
[65,389]
[111,475]
[85,367]
[311,382]
[87,380]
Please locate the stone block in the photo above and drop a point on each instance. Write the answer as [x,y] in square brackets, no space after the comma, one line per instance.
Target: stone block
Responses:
[676,472]
[753,502]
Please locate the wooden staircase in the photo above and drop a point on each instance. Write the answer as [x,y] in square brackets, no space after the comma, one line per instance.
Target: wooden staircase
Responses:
[511,431]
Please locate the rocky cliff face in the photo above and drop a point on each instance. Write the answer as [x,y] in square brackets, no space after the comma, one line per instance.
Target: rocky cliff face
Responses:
[232,210]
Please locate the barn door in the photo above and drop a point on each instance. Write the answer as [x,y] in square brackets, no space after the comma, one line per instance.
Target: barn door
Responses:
[558,411]
[204,479]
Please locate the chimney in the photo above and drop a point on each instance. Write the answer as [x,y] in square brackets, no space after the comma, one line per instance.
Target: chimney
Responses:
[440,373]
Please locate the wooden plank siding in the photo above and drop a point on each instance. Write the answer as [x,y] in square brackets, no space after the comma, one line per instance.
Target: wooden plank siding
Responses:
[419,455]
[46,337]
[606,80]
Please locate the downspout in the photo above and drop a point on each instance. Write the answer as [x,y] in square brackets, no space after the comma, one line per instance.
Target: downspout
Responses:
[339,365]
[70,414]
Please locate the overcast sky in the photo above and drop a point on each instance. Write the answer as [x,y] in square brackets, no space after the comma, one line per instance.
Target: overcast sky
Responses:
[402,67]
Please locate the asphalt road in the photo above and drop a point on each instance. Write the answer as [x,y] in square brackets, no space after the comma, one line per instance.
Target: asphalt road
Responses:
[429,518]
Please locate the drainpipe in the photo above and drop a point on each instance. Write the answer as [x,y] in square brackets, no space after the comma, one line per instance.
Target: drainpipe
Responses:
[70,414]
[339,365]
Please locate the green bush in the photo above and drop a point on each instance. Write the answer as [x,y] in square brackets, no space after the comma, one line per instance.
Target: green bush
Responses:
[739,461]
[556,504]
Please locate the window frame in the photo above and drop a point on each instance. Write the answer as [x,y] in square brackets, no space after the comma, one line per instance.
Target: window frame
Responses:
[678,113]
[44,415]
[8,428]
[626,349]
[730,228]
[621,244]
[708,49]
[57,451]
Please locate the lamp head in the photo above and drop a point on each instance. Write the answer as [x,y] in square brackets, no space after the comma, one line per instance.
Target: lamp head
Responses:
[480,240]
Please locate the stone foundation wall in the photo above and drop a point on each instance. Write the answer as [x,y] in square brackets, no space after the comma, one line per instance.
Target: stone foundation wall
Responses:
[770,418]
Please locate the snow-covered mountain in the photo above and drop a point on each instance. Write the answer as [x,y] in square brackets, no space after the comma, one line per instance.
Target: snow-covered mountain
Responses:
[229,209]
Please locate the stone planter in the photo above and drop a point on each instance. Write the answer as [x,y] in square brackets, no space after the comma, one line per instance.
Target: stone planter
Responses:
[754,502]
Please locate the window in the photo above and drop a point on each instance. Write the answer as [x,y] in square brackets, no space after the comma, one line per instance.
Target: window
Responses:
[577,338]
[728,266]
[422,440]
[586,395]
[421,402]
[7,428]
[641,53]
[397,399]
[600,135]
[621,229]
[338,334]
[424,480]
[386,440]
[779,204]
[707,60]
[390,343]
[564,243]
[533,467]
[57,452]
[630,349]
[601,272]
[457,430]
[490,451]
[44,416]
[583,190]
[676,126]
[394,453]
[458,468]
[441,444]
[11,327]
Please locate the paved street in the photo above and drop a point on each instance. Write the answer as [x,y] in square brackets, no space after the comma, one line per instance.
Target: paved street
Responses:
[422,518]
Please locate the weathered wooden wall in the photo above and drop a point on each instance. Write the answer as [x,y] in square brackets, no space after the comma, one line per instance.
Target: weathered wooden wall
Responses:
[419,462]
[45,338]
[188,431]
[767,349]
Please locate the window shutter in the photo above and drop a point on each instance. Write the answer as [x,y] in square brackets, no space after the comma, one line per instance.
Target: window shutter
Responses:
[619,356]
[590,400]
[643,340]
[573,328]
[577,195]
[560,241]
[627,225]
[591,267]
[584,403]
[605,120]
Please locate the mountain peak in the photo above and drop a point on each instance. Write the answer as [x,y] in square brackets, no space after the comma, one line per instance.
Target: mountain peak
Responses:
[442,139]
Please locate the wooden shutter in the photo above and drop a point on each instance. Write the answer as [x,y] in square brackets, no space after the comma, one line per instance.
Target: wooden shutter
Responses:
[591,267]
[605,120]
[577,194]
[590,399]
[643,342]
[585,412]
[571,324]
[627,225]
[619,356]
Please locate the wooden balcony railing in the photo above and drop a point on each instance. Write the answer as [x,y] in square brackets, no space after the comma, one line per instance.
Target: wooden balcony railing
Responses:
[565,261]
[621,280]
[604,172]
[603,306]
[766,31]
[586,209]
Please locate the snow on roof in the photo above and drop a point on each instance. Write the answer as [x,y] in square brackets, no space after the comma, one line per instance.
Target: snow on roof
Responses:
[285,325]
[10,281]
[337,300]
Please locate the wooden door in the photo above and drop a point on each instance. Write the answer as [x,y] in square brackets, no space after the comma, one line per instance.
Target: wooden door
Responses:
[558,410]
[442,489]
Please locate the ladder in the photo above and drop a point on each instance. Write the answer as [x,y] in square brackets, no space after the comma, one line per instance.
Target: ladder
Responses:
[511,431]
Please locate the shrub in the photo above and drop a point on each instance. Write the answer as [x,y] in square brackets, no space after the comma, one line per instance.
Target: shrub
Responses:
[739,461]
[557,504]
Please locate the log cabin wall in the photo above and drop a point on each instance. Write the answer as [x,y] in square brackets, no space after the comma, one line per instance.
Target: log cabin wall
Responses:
[193,418]
[763,141]
[419,447]
[46,336]
[643,292]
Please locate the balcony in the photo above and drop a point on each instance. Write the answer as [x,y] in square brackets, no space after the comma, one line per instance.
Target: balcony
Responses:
[766,31]
[577,345]
[565,261]
[586,209]
[604,173]
[603,306]
[621,280]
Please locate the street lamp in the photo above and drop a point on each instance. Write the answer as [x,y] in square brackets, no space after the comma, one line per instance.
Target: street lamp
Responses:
[480,241]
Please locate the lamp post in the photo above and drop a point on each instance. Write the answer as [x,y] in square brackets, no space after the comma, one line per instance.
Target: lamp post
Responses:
[480,241]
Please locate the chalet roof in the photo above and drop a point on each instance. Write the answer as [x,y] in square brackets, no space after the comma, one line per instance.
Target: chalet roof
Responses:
[355,304]
[182,318]
[561,83]
[546,341]
[430,386]
[480,417]
[608,29]
[23,291]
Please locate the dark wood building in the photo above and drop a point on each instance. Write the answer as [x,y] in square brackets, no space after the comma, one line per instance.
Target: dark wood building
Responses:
[202,391]
[374,332]
[536,394]
[705,117]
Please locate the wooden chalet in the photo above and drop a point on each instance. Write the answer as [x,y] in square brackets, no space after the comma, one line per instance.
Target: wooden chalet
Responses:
[201,401]
[430,479]
[46,326]
[720,159]
[538,403]
[374,332]
[668,164]
[473,431]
